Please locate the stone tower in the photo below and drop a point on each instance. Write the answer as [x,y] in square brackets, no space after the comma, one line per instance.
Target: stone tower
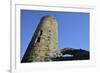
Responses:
[44,43]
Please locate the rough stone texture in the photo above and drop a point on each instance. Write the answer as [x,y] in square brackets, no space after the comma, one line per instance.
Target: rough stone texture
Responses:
[44,44]
[76,54]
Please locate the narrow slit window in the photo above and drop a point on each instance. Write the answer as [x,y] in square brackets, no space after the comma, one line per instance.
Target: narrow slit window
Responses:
[38,39]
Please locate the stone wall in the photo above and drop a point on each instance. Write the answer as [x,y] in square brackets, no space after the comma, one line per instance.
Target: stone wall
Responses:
[44,44]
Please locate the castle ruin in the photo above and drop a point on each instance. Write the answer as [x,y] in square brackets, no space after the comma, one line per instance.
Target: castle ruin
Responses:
[44,43]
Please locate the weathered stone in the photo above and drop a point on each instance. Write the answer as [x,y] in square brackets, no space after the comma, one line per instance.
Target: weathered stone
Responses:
[75,54]
[44,44]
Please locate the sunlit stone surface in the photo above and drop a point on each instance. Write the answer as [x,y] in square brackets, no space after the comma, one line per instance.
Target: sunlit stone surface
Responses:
[44,44]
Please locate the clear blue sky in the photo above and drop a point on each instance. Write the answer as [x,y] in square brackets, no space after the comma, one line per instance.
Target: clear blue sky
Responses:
[73,28]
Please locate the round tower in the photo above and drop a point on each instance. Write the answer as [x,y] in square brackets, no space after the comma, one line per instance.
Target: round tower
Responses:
[44,43]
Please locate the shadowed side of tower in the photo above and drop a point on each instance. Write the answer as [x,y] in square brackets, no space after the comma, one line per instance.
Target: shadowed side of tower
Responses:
[44,43]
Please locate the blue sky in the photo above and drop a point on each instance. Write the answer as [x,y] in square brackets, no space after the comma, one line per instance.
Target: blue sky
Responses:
[73,28]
